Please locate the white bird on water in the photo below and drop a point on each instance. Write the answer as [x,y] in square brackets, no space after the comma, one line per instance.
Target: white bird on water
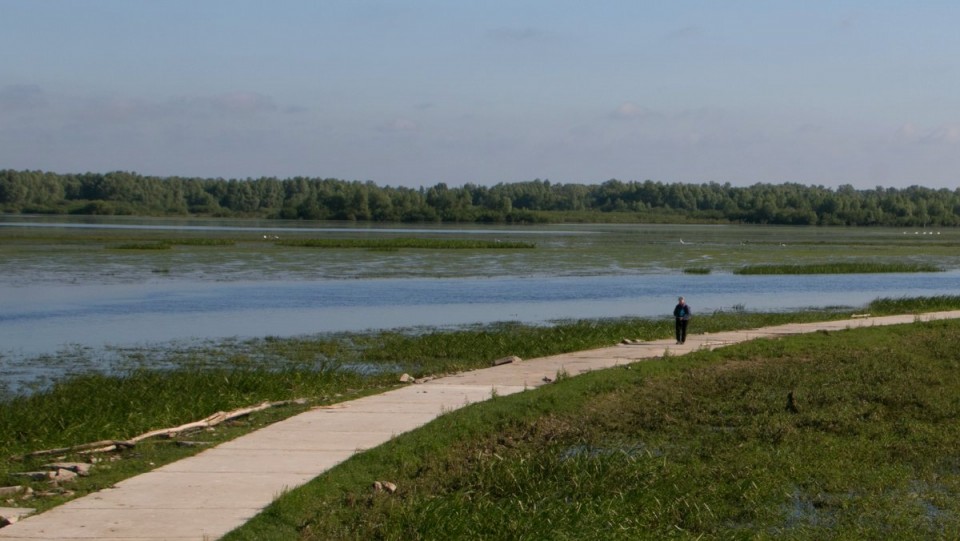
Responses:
[681,242]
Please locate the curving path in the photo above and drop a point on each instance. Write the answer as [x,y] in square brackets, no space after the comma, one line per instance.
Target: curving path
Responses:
[205,496]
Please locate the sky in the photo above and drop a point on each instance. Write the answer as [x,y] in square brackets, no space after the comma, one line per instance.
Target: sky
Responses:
[418,92]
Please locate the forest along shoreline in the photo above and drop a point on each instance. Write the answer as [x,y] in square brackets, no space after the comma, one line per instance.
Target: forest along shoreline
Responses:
[535,201]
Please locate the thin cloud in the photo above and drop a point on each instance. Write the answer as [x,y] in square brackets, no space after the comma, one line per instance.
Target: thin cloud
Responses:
[808,129]
[629,111]
[232,103]
[123,109]
[112,110]
[515,34]
[242,102]
[906,132]
[850,22]
[22,97]
[400,125]
[945,134]
[686,32]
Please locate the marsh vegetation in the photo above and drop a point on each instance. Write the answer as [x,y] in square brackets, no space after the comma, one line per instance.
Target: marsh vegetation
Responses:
[838,268]
[843,435]
[160,387]
[415,243]
[242,250]
[197,382]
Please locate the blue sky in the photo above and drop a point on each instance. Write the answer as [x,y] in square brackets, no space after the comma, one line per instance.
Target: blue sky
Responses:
[415,92]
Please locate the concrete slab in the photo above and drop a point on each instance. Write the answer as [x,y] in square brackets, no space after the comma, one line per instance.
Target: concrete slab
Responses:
[140,523]
[344,421]
[207,495]
[190,490]
[264,461]
[275,437]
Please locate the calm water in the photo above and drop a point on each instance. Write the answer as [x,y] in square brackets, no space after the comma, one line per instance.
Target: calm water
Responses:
[67,297]
[46,319]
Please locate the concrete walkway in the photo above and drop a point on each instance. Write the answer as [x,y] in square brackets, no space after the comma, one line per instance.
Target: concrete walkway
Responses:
[205,496]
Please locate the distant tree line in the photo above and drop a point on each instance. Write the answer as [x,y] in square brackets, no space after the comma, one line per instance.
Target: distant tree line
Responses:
[123,193]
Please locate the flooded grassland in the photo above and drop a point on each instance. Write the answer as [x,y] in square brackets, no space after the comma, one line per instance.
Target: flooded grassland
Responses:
[79,288]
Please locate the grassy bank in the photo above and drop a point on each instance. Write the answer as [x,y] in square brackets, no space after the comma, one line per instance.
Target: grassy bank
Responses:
[699,447]
[220,251]
[838,268]
[324,370]
[396,244]
[166,244]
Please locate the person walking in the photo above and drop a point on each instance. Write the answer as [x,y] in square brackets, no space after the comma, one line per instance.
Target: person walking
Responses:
[681,313]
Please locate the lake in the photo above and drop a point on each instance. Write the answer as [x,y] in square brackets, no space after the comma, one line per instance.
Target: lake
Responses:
[63,285]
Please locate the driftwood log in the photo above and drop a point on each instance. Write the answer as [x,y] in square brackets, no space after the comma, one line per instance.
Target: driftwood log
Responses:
[113,445]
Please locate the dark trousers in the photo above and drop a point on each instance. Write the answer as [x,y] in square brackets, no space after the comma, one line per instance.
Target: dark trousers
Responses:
[682,329]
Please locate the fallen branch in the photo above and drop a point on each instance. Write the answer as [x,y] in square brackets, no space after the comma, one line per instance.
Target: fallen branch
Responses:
[82,447]
[211,421]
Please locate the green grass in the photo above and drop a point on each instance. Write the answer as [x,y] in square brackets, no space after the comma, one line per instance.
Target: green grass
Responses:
[166,244]
[571,249]
[838,268]
[95,407]
[393,244]
[199,242]
[142,246]
[325,370]
[697,447]
[201,381]
[912,305]
[697,270]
